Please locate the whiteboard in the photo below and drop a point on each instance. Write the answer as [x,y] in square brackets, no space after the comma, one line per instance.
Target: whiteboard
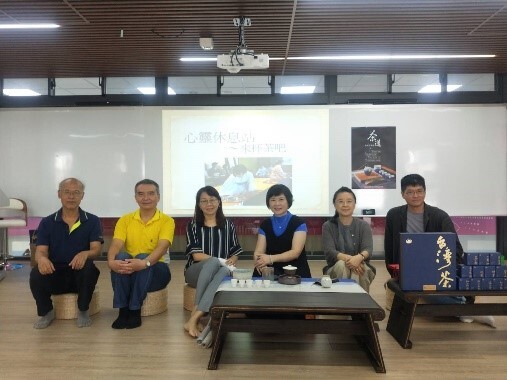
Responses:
[460,150]
[108,149]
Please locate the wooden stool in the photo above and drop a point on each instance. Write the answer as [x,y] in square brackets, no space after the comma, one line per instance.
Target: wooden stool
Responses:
[188,297]
[155,303]
[65,305]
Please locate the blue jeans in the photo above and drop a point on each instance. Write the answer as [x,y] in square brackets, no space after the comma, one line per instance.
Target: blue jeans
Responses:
[130,289]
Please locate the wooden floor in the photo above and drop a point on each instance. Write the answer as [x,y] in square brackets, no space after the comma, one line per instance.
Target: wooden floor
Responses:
[443,349]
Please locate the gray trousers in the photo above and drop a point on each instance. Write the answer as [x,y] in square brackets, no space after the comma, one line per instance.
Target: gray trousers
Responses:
[340,270]
[205,276]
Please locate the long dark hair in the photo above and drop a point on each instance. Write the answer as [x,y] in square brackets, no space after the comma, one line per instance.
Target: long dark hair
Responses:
[199,215]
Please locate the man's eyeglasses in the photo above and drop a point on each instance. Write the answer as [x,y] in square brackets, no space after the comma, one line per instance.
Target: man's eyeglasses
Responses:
[412,193]
[204,202]
[75,193]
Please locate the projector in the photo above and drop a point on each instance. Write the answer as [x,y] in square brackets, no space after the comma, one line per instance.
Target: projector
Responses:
[234,62]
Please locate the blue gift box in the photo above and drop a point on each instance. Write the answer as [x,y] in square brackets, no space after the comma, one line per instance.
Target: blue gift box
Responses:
[487,284]
[484,258]
[428,261]
[478,271]
[501,271]
[464,283]
[465,271]
[476,284]
[490,271]
[498,284]
[471,258]
[494,258]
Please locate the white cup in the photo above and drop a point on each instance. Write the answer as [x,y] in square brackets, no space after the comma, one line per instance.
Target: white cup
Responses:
[241,283]
[234,282]
[249,283]
[326,281]
[266,283]
[258,283]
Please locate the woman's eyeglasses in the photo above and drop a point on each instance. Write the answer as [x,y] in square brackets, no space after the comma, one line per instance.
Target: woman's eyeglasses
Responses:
[204,202]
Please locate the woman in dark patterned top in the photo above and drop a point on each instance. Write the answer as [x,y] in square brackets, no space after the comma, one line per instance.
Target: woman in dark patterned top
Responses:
[210,237]
[281,239]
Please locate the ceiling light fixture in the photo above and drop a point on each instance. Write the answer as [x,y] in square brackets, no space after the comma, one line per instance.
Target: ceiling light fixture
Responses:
[297,90]
[151,90]
[206,43]
[391,57]
[198,59]
[436,88]
[29,26]
[20,92]
[359,57]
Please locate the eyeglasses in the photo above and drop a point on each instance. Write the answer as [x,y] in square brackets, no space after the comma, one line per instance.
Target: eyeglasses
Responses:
[411,193]
[208,202]
[75,193]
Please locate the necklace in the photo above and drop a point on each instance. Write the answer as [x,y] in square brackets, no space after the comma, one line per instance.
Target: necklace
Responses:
[280,222]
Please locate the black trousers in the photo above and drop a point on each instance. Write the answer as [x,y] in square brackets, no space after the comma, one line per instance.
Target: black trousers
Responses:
[64,280]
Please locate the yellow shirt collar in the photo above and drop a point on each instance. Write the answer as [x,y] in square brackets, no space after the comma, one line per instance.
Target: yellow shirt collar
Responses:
[156,216]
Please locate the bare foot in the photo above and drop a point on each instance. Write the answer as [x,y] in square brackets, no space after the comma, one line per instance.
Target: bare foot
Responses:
[193,331]
[192,324]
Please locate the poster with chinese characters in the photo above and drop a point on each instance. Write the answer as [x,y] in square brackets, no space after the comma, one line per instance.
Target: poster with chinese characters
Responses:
[373,157]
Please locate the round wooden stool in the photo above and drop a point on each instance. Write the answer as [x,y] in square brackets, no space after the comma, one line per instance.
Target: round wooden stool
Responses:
[155,303]
[65,305]
[188,297]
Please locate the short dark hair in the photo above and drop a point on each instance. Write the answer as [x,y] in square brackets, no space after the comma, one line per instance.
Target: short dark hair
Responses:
[342,189]
[147,182]
[279,189]
[199,215]
[412,180]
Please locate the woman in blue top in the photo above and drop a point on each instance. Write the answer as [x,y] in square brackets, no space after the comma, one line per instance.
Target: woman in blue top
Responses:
[210,237]
[281,239]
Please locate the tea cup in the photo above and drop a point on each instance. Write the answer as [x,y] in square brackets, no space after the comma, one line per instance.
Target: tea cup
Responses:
[326,281]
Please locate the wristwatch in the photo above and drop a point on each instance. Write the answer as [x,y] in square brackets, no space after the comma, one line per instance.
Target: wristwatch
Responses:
[148,264]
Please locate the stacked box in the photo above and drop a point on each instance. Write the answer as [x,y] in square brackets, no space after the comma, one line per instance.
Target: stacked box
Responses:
[482,270]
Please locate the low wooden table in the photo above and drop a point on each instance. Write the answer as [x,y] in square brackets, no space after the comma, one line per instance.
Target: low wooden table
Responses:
[405,307]
[263,306]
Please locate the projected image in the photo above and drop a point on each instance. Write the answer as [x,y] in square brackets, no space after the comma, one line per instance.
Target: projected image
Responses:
[244,181]
[243,152]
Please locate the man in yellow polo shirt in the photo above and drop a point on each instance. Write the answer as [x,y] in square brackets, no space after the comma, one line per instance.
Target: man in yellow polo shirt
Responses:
[135,256]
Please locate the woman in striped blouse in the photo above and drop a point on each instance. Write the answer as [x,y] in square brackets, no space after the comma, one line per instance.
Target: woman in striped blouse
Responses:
[210,237]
